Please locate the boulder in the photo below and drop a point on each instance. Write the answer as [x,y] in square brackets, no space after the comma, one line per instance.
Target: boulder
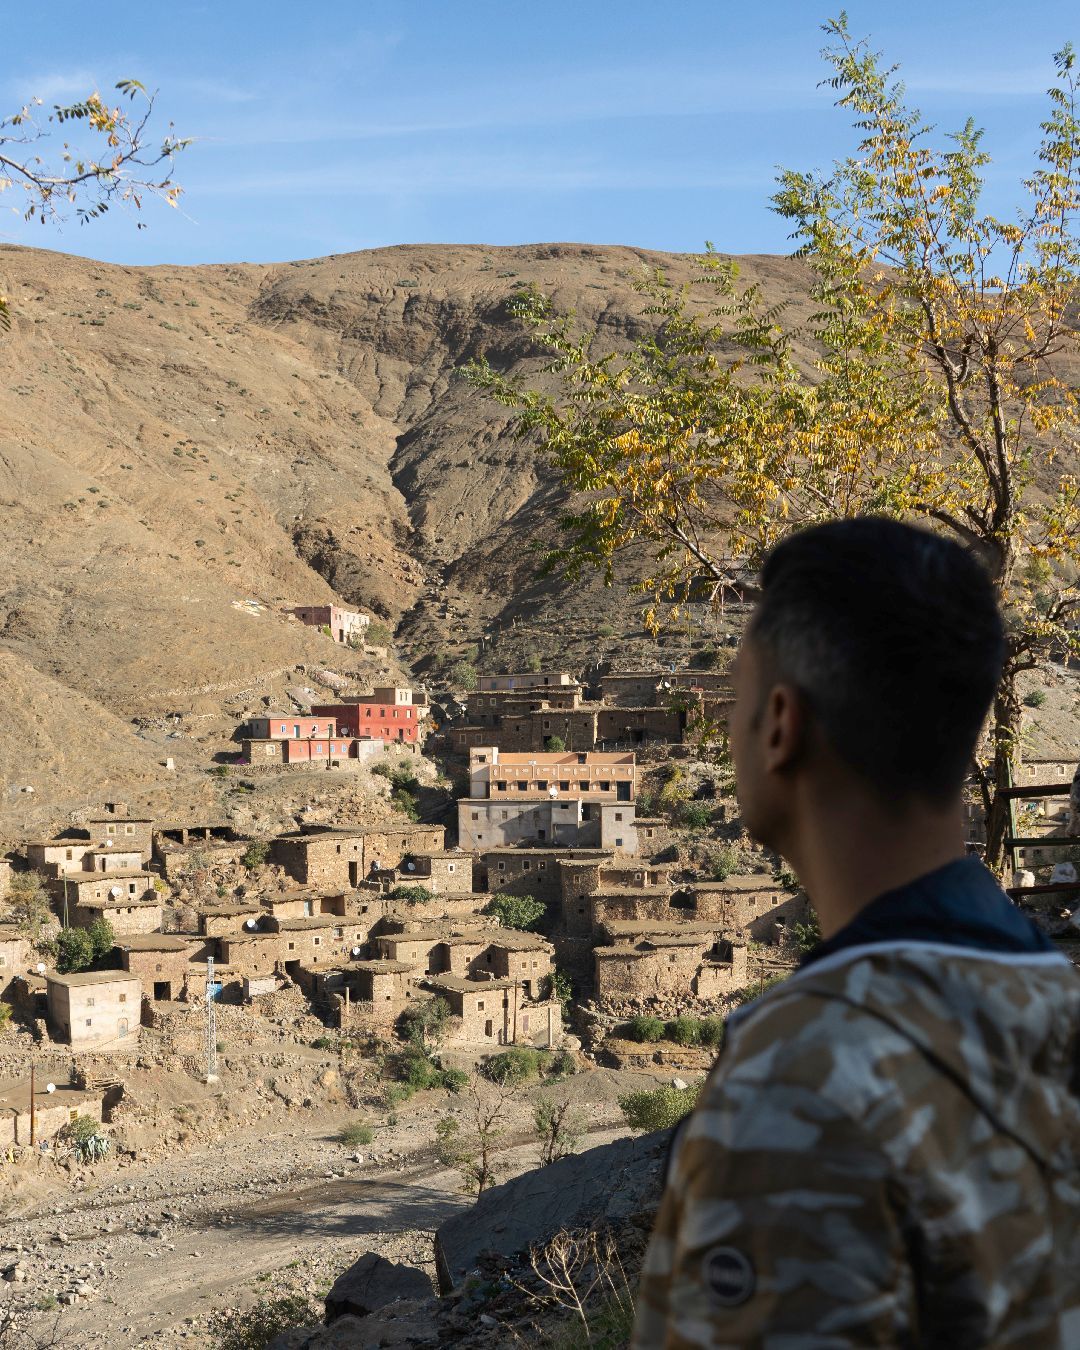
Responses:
[603,1184]
[372,1283]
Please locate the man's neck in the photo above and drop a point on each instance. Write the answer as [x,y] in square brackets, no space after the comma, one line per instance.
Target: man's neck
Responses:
[847,849]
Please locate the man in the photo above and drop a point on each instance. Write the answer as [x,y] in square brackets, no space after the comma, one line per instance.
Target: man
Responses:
[886,1153]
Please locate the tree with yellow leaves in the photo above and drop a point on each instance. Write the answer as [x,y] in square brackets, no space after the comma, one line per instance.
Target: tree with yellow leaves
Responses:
[937,394]
[128,165]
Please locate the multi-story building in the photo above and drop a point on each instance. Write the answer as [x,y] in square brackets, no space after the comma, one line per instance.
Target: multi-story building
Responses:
[540,679]
[389,713]
[554,799]
[97,1009]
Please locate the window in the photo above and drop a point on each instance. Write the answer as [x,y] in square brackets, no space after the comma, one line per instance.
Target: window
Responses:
[476,815]
[521,785]
[88,1022]
[605,787]
[526,865]
[501,787]
[316,942]
[339,932]
[90,1002]
[122,998]
[292,946]
[3,961]
[451,867]
[502,867]
[541,785]
[479,1005]
[111,829]
[129,829]
[583,759]
[69,855]
[481,759]
[564,787]
[618,816]
[618,843]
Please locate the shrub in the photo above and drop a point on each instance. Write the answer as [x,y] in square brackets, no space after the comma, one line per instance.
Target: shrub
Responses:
[74,950]
[102,938]
[555,744]
[424,1024]
[806,936]
[562,1065]
[753,991]
[1035,699]
[378,635]
[605,630]
[722,862]
[712,1032]
[659,1109]
[356,1133]
[325,630]
[5,1015]
[523,912]
[255,854]
[684,1031]
[324,1043]
[516,1065]
[412,895]
[453,1080]
[258,1326]
[463,675]
[695,815]
[645,1029]
[558,986]
[534,663]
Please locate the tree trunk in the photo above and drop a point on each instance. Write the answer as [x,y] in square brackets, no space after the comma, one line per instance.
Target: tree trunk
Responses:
[1007,721]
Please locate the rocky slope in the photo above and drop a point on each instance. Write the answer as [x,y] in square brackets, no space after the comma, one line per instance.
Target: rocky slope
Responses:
[185,451]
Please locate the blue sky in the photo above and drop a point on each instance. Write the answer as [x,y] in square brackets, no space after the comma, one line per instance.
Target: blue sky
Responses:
[328,126]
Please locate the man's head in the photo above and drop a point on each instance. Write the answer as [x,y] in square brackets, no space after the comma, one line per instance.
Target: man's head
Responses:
[873,654]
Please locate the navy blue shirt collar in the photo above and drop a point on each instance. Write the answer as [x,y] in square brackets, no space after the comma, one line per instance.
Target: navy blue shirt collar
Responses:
[960,904]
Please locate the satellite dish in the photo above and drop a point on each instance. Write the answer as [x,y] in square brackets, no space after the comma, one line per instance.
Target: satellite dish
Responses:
[249,923]
[41,967]
[356,951]
[375,865]
[50,1087]
[115,890]
[553,791]
[410,867]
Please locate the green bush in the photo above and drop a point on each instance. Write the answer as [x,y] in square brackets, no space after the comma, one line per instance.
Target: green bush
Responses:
[557,985]
[453,1080]
[659,1109]
[684,1031]
[74,950]
[378,635]
[523,912]
[555,744]
[534,664]
[516,1065]
[412,895]
[695,815]
[1035,699]
[712,1032]
[356,1133]
[723,861]
[645,1029]
[5,1015]
[255,854]
[102,938]
[463,675]
[258,1326]
[325,1043]
[562,1064]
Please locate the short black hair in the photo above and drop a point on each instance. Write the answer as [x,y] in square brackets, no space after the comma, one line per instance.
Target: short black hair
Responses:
[894,637]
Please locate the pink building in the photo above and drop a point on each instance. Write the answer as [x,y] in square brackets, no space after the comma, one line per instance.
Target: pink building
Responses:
[286,727]
[343,624]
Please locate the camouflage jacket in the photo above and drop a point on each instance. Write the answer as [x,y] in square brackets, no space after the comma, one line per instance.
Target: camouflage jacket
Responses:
[887,1153]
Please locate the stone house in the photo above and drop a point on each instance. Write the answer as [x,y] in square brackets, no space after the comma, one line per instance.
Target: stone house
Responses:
[113,860]
[441,871]
[342,858]
[116,828]
[126,914]
[94,1009]
[251,955]
[166,965]
[16,956]
[533,871]
[5,878]
[319,753]
[677,964]
[525,957]
[177,861]
[496,1012]
[345,625]
[320,940]
[52,1110]
[225,920]
[541,679]
[638,726]
[641,904]
[755,908]
[656,688]
[55,857]
[305,904]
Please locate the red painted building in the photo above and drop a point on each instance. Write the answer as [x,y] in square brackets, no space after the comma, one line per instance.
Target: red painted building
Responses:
[387,719]
[298,752]
[290,727]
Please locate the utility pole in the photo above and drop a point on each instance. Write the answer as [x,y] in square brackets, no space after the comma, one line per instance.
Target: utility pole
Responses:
[211,1024]
[32,1104]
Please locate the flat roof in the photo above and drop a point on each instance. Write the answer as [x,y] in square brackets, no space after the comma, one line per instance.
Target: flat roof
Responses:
[313,921]
[120,820]
[121,902]
[463,986]
[660,927]
[581,855]
[514,941]
[377,967]
[260,935]
[157,942]
[82,977]
[228,911]
[121,873]
[437,935]
[759,882]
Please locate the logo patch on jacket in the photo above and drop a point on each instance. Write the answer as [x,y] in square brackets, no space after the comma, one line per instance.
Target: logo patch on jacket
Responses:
[728,1275]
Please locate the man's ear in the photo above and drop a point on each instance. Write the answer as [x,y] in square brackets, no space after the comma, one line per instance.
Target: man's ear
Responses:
[784,729]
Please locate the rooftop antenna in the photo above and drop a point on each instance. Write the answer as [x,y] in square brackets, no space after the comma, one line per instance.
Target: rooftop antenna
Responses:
[211,1025]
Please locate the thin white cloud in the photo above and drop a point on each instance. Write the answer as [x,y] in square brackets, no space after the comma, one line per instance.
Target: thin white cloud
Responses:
[56,86]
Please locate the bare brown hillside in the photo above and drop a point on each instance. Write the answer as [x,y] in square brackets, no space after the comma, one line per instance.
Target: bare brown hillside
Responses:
[184,451]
